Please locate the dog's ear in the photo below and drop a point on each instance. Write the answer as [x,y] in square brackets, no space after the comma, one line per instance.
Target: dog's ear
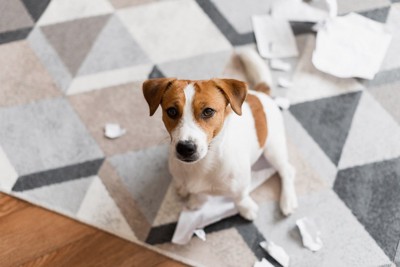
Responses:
[235,92]
[153,91]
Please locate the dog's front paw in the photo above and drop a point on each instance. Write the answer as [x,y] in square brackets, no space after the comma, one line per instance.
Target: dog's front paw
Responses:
[248,209]
[196,201]
[288,203]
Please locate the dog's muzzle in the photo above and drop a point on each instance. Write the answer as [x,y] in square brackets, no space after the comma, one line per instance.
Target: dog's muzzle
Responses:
[186,151]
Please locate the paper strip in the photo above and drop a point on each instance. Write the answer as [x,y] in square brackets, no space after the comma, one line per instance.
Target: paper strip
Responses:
[263,263]
[113,130]
[276,252]
[351,46]
[282,82]
[215,209]
[278,64]
[274,37]
[310,234]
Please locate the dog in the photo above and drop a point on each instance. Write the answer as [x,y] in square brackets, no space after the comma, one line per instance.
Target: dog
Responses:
[218,130]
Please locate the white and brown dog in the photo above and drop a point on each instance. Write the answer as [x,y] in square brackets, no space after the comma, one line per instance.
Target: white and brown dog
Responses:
[218,131]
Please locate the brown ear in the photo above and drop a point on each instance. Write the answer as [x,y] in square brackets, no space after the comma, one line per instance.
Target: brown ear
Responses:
[235,92]
[153,91]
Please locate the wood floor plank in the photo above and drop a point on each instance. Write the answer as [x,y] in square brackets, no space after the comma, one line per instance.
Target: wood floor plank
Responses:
[32,231]
[101,249]
[9,205]
[31,236]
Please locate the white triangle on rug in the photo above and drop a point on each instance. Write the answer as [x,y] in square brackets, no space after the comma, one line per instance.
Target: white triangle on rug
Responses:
[373,136]
[170,208]
[99,209]
[65,197]
[8,175]
[114,49]
[64,10]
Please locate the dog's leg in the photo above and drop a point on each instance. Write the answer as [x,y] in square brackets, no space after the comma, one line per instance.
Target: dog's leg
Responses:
[276,153]
[248,209]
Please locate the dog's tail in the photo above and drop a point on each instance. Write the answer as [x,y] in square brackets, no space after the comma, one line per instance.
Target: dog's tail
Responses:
[257,70]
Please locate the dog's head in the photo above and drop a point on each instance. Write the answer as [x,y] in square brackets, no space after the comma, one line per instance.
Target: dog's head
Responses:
[194,111]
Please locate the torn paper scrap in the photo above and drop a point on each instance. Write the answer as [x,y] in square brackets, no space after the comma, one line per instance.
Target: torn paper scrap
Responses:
[282,102]
[285,83]
[297,10]
[200,234]
[277,64]
[310,234]
[113,130]
[274,37]
[351,46]
[215,209]
[276,252]
[263,263]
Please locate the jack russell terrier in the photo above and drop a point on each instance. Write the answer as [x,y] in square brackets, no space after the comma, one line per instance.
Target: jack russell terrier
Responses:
[218,131]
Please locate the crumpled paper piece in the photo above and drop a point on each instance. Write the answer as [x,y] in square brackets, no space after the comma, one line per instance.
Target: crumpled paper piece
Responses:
[113,130]
[276,252]
[285,83]
[263,263]
[298,10]
[213,210]
[274,37]
[277,64]
[200,234]
[351,46]
[310,234]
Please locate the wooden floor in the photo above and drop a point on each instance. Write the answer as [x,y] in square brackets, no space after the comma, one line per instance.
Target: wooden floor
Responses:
[32,236]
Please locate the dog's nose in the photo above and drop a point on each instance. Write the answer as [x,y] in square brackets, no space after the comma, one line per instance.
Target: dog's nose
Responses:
[186,148]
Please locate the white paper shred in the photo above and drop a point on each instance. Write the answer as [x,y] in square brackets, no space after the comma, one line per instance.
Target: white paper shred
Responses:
[278,64]
[285,83]
[310,234]
[263,263]
[282,102]
[274,37]
[276,252]
[113,130]
[200,234]
[351,46]
[215,209]
[297,10]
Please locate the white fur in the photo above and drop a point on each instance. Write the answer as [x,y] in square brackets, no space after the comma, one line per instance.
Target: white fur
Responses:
[226,168]
[187,128]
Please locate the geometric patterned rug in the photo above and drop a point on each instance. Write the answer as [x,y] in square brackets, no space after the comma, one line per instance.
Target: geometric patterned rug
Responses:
[68,67]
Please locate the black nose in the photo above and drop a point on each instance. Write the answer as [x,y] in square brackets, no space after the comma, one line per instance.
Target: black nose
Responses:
[186,148]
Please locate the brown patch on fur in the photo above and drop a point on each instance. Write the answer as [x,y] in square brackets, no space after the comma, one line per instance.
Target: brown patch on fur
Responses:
[173,97]
[260,119]
[207,95]
[216,94]
[235,92]
[263,87]
[153,91]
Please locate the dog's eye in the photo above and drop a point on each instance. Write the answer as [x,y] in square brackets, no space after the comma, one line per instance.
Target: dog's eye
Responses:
[172,113]
[207,113]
